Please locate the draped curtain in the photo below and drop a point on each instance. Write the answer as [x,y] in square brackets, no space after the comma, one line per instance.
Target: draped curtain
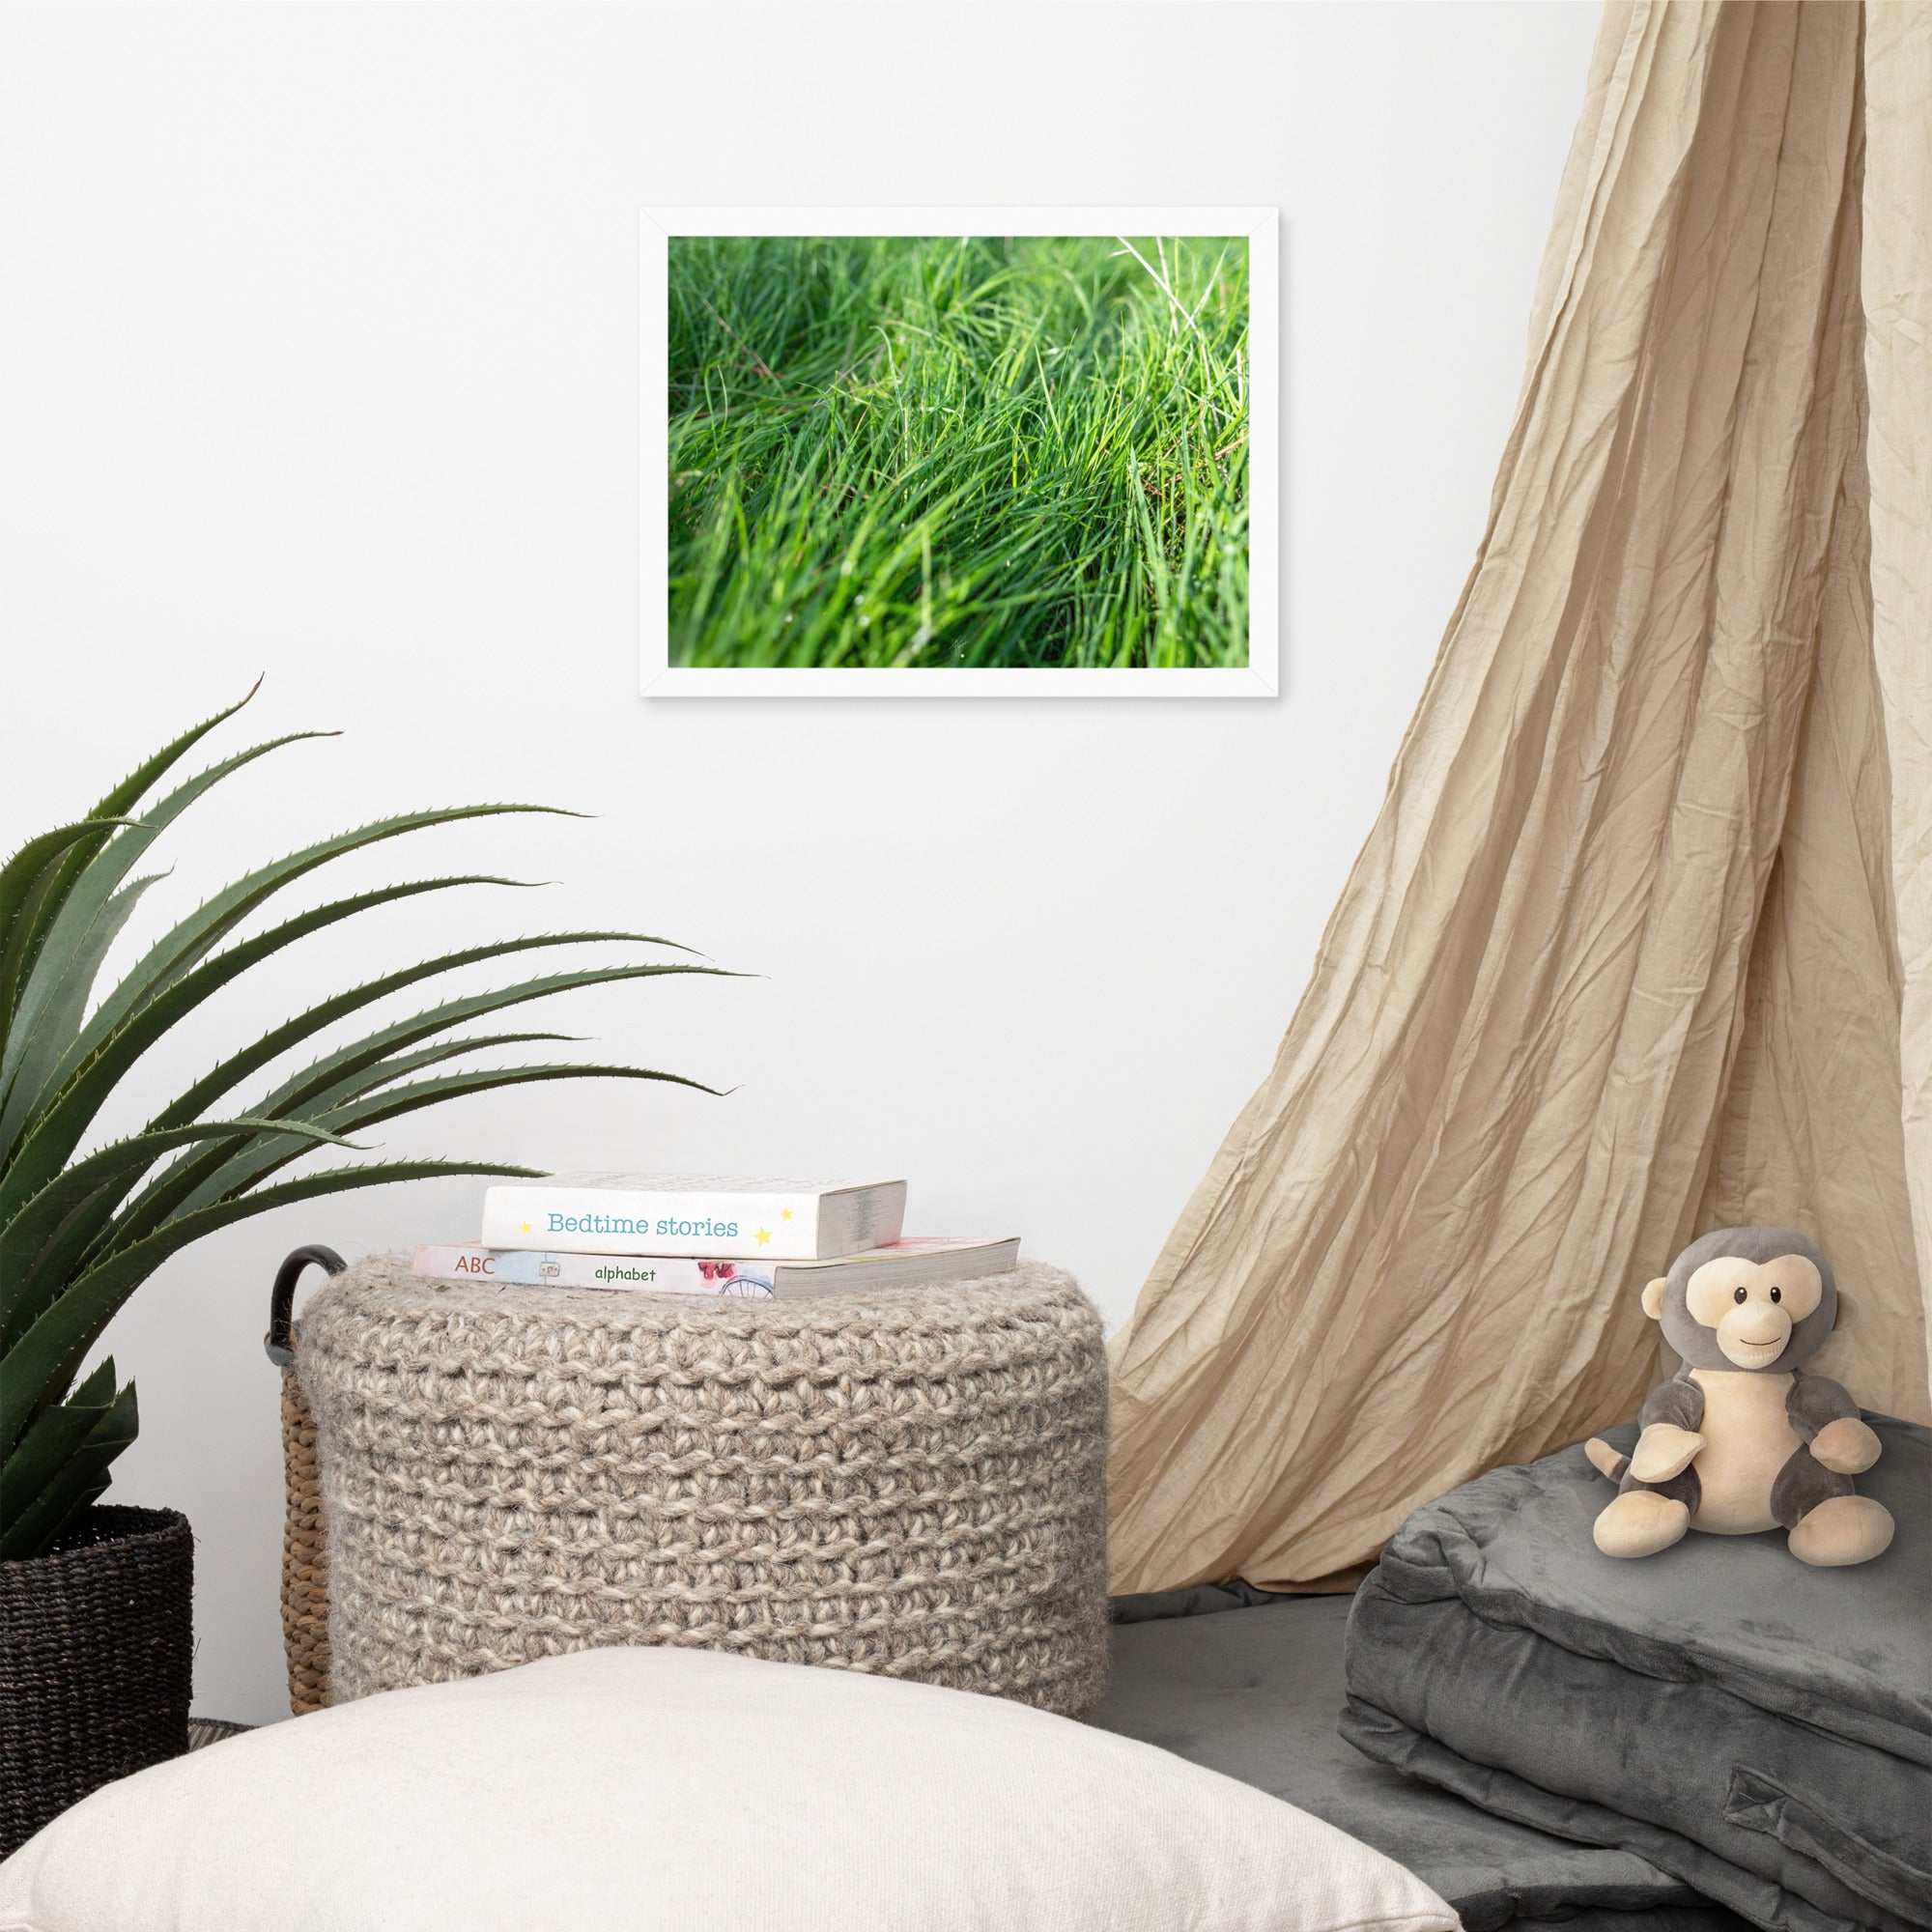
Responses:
[1641,941]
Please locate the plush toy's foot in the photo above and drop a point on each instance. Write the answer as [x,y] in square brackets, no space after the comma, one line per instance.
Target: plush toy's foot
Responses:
[1841,1530]
[1605,1460]
[1641,1522]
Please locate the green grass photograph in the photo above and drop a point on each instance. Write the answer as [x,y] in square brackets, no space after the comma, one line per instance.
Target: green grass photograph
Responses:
[987,453]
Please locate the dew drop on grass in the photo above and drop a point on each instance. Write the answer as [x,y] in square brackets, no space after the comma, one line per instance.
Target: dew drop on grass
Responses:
[864,623]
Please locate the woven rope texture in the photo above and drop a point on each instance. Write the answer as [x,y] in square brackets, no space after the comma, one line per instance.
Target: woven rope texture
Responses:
[304,1557]
[910,1482]
[95,1654]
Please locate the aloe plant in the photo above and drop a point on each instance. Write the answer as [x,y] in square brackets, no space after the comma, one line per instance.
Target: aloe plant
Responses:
[80,1231]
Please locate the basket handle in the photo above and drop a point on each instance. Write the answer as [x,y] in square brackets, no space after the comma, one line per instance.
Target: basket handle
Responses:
[279,1343]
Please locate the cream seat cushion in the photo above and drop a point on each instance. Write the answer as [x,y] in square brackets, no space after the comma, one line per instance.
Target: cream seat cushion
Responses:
[684,1789]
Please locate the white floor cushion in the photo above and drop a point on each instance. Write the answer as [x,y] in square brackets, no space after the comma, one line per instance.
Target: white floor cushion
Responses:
[632,1790]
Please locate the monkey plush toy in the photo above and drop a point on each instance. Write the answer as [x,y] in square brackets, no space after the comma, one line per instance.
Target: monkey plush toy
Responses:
[1741,1438]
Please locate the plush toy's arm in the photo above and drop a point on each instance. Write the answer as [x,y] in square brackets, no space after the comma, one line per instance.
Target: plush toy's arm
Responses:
[1668,1420]
[1824,1416]
[1679,1402]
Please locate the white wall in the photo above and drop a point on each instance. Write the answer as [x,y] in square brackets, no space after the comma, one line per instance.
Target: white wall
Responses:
[317,358]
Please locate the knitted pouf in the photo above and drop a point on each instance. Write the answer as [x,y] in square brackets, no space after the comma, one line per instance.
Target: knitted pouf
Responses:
[909,1480]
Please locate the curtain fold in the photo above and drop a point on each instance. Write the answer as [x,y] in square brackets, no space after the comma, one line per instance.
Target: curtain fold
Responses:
[1622,955]
[1897,293]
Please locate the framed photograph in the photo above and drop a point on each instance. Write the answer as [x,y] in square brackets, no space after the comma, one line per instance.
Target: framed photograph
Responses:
[959,450]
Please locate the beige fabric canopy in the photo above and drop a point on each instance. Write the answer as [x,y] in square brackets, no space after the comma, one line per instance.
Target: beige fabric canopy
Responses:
[1641,942]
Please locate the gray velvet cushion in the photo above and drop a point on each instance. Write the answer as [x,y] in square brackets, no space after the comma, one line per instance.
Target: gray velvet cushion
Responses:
[1759,1729]
[1254,1690]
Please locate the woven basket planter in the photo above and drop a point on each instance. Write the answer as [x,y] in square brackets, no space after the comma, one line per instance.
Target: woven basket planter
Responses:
[97,1656]
[910,1482]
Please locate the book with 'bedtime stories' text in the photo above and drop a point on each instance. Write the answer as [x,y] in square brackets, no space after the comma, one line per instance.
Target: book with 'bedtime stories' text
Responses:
[695,1216]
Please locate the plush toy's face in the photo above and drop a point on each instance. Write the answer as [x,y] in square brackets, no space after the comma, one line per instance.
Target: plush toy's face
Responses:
[1753,1306]
[1754,1298]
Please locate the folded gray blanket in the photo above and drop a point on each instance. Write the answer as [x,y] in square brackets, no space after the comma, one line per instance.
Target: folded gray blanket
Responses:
[1760,1729]
[1249,1684]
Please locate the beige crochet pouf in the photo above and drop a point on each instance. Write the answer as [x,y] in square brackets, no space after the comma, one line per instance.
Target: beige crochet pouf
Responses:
[906,1481]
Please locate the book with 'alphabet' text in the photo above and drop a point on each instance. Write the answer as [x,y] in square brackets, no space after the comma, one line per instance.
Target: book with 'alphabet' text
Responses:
[917,1261]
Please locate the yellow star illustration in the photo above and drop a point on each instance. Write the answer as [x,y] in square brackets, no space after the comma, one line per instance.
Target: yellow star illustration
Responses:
[764,1235]
[785,1214]
[526,1227]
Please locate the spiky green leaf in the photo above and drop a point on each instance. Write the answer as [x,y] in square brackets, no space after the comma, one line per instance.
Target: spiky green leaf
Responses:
[64,947]
[265,1155]
[37,861]
[76,1480]
[229,1074]
[41,1362]
[194,938]
[59,1127]
[185,1182]
[29,1229]
[326,1078]
[46,1447]
[51,889]
[60,1021]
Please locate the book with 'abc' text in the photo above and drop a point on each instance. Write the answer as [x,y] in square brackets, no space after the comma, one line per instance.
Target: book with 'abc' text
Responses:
[913,1262]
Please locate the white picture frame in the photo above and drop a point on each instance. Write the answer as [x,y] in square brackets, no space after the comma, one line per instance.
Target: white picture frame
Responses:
[1259,677]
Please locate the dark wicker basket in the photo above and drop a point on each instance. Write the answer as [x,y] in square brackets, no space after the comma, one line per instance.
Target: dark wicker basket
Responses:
[96,1660]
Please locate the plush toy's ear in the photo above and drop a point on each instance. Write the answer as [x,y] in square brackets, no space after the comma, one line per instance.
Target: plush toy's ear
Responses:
[1847,1314]
[1653,1296]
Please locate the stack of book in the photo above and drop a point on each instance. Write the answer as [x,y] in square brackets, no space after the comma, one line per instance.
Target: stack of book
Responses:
[701,1234]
